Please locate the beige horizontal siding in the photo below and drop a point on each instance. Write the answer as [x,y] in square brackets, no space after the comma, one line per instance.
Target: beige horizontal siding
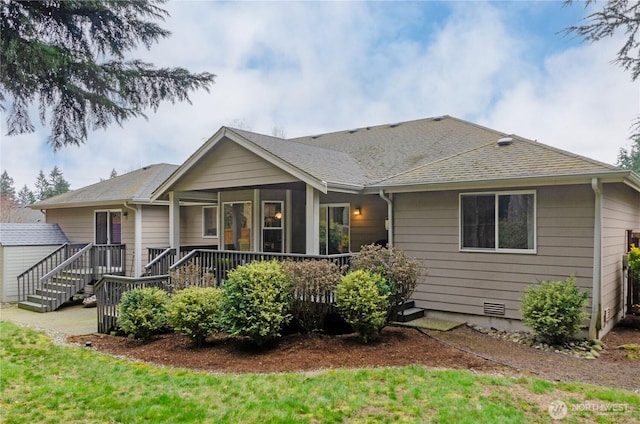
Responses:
[427,227]
[620,212]
[230,165]
[155,229]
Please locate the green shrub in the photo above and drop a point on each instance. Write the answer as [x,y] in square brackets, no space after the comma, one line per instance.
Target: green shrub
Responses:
[313,283]
[142,312]
[194,312]
[362,299]
[191,275]
[554,309]
[400,272]
[256,301]
[634,262]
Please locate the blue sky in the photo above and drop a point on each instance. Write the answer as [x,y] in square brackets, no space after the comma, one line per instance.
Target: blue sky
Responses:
[313,67]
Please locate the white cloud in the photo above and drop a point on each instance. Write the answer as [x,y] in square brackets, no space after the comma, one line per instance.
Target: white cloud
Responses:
[317,67]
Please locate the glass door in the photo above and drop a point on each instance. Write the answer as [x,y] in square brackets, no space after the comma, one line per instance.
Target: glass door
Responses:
[237,225]
[334,229]
[108,227]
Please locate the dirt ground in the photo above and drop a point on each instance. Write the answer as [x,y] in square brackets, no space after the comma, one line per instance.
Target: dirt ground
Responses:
[461,348]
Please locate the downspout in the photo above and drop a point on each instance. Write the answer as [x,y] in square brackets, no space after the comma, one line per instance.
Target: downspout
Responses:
[595,323]
[389,216]
[137,238]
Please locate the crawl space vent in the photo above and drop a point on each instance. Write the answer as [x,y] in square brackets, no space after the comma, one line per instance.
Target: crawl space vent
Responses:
[493,308]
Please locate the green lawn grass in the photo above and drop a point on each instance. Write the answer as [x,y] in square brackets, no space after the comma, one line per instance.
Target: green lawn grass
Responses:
[45,383]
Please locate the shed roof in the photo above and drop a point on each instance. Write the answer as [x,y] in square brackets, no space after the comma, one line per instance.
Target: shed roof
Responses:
[32,234]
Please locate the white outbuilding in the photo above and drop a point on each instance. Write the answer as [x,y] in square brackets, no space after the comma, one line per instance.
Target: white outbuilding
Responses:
[21,246]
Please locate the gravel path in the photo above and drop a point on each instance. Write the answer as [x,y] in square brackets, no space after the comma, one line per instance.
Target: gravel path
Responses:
[548,365]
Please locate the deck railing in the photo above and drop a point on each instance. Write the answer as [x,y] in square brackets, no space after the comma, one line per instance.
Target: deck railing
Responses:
[68,269]
[29,280]
[220,262]
[109,290]
[160,259]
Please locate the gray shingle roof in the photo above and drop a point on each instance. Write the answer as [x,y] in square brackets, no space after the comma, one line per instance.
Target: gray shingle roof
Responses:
[326,164]
[386,150]
[133,186]
[31,235]
[432,150]
[521,159]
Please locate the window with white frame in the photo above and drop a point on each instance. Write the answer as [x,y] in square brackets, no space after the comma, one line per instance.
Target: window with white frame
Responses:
[209,221]
[503,221]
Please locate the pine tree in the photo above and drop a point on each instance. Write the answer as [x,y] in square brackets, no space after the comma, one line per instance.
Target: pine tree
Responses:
[26,196]
[7,190]
[43,188]
[57,182]
[69,58]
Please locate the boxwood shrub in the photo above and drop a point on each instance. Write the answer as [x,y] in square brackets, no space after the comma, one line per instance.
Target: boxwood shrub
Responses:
[554,309]
[362,299]
[256,301]
[142,312]
[194,312]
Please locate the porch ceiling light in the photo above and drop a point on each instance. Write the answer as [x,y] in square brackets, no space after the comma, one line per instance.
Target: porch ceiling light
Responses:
[356,211]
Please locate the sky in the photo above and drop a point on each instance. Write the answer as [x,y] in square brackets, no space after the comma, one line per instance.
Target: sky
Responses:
[305,68]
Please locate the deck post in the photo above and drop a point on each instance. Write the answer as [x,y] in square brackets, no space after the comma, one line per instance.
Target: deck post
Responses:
[174,220]
[312,210]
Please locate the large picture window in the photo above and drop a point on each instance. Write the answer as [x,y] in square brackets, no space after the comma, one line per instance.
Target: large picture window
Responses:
[209,221]
[498,221]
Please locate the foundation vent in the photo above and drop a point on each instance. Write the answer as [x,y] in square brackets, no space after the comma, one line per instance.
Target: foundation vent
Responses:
[607,314]
[493,308]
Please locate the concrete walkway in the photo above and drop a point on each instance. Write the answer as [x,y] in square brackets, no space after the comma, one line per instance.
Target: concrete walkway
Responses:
[70,320]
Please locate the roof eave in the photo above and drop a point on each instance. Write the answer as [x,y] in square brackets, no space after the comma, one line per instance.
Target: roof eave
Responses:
[303,176]
[626,177]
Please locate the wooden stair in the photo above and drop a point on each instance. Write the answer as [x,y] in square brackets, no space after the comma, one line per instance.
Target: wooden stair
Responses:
[409,312]
[56,292]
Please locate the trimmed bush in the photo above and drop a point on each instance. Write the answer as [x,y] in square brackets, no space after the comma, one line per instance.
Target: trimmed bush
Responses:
[194,312]
[313,283]
[256,301]
[554,309]
[400,271]
[634,262]
[191,275]
[362,299]
[142,312]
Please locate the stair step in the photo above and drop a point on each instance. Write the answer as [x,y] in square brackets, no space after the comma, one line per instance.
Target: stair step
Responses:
[58,286]
[51,293]
[32,306]
[407,305]
[410,314]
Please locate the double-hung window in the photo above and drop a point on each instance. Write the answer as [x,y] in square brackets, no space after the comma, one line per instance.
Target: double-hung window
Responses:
[502,222]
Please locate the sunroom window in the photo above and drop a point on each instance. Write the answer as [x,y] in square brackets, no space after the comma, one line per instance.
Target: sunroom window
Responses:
[498,221]
[209,221]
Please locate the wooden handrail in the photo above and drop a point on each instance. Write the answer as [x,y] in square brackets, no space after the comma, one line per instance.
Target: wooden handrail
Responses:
[161,256]
[66,263]
[64,246]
